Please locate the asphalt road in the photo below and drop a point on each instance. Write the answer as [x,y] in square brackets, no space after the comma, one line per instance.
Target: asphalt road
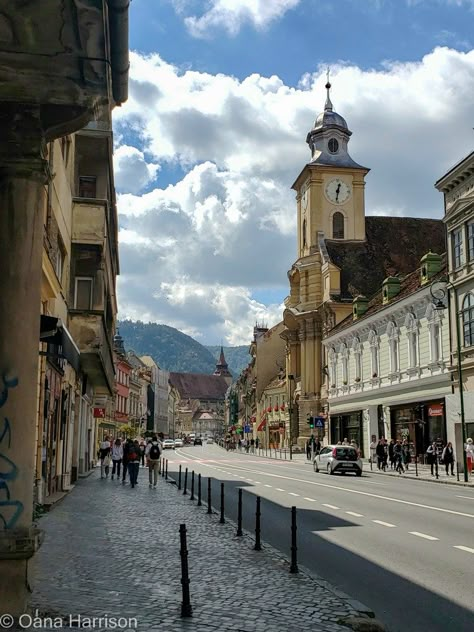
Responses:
[405,548]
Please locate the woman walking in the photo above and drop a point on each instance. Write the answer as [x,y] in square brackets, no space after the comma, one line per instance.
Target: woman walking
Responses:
[448,458]
[432,456]
[469,455]
[117,456]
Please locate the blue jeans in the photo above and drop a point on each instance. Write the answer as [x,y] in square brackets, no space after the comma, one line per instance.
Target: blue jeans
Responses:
[133,469]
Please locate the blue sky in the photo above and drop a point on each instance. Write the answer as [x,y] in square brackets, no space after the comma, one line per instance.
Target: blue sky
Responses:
[222,94]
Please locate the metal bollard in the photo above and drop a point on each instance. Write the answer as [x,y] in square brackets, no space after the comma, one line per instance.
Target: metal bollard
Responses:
[209,508]
[179,478]
[186,608]
[416,464]
[371,464]
[185,491]
[222,519]
[199,490]
[285,454]
[192,485]
[162,467]
[294,563]
[166,469]
[280,454]
[239,514]
[258,546]
[457,470]
[436,467]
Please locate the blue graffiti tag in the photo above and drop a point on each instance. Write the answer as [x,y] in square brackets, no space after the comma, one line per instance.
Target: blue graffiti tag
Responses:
[8,469]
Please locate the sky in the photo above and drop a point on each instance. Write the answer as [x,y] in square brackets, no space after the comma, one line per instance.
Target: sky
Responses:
[221,96]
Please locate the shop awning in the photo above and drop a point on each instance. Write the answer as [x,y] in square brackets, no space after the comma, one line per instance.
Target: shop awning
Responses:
[54,332]
[261,425]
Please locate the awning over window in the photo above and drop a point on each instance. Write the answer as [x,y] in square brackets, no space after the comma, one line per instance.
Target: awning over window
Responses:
[261,425]
[54,332]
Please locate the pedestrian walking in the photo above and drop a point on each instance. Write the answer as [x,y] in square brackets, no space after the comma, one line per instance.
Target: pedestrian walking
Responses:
[381,455]
[142,448]
[447,458]
[469,448]
[431,456]
[153,455]
[126,450]
[252,446]
[373,449]
[257,441]
[391,455]
[398,457]
[308,449]
[239,445]
[406,454]
[104,455]
[134,458]
[117,456]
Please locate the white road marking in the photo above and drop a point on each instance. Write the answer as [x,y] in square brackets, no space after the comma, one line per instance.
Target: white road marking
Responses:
[384,524]
[353,513]
[292,494]
[249,480]
[464,548]
[423,535]
[468,497]
[268,485]
[279,489]
[330,506]
[311,500]
[257,482]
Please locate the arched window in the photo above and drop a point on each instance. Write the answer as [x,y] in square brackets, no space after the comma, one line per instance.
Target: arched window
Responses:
[304,233]
[345,363]
[392,333]
[357,349]
[468,319]
[435,318]
[411,324]
[332,367]
[338,225]
[374,352]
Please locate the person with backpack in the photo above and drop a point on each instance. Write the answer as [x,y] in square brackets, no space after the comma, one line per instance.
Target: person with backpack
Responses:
[117,456]
[153,454]
[133,458]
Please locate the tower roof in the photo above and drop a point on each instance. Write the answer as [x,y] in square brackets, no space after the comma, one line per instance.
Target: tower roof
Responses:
[222,367]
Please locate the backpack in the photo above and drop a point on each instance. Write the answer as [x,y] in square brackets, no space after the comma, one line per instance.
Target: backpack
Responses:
[154,454]
[132,453]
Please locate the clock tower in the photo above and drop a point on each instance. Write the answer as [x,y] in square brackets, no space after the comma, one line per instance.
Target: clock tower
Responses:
[330,188]
[330,211]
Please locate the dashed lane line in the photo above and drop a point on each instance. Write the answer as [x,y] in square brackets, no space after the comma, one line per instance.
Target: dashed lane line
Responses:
[356,515]
[425,536]
[468,497]
[384,524]
[330,506]
[279,489]
[311,500]
[268,485]
[464,548]
[292,494]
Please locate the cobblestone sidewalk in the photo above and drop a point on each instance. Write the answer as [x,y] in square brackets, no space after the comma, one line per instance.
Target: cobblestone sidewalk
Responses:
[113,551]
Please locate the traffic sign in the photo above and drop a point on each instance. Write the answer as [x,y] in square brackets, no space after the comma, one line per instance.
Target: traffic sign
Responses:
[247,428]
[319,422]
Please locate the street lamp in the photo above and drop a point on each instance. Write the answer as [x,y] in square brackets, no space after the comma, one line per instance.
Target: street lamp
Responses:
[439,293]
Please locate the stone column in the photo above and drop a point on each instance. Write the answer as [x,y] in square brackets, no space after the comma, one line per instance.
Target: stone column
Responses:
[23,176]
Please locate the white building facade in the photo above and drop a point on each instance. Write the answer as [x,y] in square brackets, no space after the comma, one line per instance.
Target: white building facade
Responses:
[388,366]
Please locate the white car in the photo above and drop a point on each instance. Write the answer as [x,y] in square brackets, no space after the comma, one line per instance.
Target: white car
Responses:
[168,444]
[178,443]
[210,440]
[338,458]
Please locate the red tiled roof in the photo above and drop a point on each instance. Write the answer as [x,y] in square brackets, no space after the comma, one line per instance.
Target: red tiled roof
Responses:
[199,385]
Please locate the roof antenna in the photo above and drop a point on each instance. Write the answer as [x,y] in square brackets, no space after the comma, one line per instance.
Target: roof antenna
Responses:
[328,104]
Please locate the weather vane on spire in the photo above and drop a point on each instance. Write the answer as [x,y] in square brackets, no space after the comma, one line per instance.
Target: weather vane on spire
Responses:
[328,104]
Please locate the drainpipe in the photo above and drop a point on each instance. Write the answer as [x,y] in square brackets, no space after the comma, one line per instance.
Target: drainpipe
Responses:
[119,55]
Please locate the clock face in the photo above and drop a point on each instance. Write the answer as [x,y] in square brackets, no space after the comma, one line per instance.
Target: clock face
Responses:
[337,191]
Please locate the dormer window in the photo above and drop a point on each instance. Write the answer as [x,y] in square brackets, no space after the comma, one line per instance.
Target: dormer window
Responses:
[333,145]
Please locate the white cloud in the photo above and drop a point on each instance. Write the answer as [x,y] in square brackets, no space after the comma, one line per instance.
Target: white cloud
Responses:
[231,15]
[227,227]
[132,172]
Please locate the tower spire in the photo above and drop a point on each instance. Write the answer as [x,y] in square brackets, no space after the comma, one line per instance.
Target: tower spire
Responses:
[328,104]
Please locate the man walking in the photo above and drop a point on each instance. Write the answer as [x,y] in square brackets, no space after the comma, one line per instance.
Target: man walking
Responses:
[153,455]
[134,457]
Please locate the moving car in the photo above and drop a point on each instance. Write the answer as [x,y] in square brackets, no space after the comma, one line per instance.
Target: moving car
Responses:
[338,458]
[210,440]
[198,441]
[168,444]
[178,443]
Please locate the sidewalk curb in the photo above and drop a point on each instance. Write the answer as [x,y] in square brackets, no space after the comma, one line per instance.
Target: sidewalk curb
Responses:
[424,480]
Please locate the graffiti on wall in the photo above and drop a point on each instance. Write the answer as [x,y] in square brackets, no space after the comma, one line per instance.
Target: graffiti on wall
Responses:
[10,509]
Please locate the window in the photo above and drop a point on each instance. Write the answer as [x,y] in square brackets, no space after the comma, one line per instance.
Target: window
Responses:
[332,367]
[356,348]
[87,186]
[434,318]
[304,233]
[393,338]
[83,293]
[411,324]
[374,352]
[65,144]
[338,225]
[457,248]
[468,319]
[470,241]
[333,145]
[60,257]
[345,362]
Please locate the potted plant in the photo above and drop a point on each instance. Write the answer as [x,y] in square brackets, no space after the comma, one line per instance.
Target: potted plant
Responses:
[374,374]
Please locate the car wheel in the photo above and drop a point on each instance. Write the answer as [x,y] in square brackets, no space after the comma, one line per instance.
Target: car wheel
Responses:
[330,472]
[315,466]
[359,473]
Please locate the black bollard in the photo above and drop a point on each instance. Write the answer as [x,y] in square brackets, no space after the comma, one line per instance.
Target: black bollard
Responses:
[258,546]
[166,469]
[457,470]
[192,485]
[294,563]
[239,514]
[162,467]
[185,491]
[186,608]
[222,519]
[416,464]
[285,454]
[209,508]
[179,478]
[371,464]
[199,491]
[436,467]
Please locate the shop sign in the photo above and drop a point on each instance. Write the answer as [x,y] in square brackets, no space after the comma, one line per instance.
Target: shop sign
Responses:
[435,410]
[99,413]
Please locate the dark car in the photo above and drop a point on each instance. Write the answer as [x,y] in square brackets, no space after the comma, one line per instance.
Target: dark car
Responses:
[198,441]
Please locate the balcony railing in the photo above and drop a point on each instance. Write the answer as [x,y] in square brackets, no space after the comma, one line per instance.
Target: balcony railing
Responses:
[89,221]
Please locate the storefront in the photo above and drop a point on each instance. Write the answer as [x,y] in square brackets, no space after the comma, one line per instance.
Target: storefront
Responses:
[347,426]
[420,424]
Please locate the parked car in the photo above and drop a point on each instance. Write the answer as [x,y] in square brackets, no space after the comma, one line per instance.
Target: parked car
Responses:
[338,458]
[198,441]
[210,440]
[168,444]
[178,443]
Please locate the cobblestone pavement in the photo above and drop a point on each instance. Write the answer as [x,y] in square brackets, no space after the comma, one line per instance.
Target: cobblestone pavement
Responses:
[114,551]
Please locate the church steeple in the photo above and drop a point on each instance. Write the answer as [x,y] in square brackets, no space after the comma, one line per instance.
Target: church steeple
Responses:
[328,104]
[222,367]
